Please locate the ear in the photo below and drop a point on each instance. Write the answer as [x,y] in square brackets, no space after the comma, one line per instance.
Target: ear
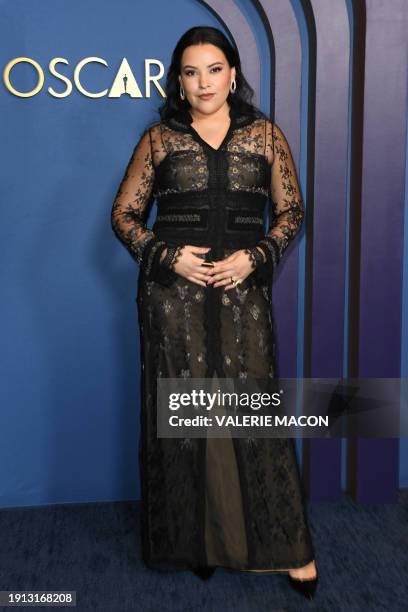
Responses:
[233,72]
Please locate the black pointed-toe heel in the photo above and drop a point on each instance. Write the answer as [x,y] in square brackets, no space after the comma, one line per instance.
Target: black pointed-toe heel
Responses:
[305,587]
[204,573]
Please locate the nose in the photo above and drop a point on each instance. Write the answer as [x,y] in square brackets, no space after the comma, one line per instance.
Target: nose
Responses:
[203,82]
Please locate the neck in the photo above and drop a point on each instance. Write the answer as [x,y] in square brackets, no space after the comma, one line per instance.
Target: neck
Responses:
[222,114]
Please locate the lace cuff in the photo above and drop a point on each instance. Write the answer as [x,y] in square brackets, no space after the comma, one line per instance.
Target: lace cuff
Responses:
[255,256]
[152,267]
[271,251]
[264,257]
[168,261]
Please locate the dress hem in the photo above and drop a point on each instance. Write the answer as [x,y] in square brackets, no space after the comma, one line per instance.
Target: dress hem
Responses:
[188,567]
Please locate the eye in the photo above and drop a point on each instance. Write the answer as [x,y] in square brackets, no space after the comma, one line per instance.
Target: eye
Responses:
[190,72]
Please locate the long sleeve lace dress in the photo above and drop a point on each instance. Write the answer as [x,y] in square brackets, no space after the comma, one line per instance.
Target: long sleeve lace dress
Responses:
[230,502]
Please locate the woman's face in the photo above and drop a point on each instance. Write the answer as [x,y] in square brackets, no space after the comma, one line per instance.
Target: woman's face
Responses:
[205,69]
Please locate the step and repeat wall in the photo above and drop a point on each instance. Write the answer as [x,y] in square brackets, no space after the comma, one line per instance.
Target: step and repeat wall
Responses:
[79,84]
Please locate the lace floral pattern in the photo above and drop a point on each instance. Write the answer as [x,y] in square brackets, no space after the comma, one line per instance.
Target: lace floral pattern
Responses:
[212,198]
[132,198]
[167,163]
[285,193]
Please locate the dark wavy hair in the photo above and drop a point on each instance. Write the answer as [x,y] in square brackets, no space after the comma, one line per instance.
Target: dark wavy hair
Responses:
[241,100]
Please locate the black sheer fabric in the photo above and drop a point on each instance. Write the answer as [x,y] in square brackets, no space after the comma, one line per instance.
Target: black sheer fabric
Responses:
[232,502]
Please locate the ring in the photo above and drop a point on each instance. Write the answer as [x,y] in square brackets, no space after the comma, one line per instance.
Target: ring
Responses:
[234,282]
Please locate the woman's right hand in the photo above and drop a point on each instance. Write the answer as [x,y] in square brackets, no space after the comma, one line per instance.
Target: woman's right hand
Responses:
[189,265]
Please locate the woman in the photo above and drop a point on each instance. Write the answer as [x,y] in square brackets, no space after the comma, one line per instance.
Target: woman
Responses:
[211,163]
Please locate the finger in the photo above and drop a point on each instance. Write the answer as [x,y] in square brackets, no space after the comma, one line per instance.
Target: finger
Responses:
[195,249]
[222,264]
[227,283]
[202,276]
[205,270]
[222,275]
[222,282]
[197,281]
[231,286]
[199,263]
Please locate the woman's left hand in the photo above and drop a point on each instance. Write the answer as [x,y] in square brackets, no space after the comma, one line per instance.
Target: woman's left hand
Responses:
[237,265]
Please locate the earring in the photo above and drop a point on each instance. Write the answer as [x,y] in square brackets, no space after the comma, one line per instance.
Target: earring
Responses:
[182,94]
[233,86]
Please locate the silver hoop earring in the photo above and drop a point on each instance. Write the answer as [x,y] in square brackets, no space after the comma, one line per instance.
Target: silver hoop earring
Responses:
[233,86]
[182,93]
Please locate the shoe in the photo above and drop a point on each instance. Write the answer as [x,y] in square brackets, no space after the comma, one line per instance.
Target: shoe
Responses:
[306,587]
[204,572]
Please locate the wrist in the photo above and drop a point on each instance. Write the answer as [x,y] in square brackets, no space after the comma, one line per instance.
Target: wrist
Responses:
[271,251]
[256,256]
[262,253]
[169,257]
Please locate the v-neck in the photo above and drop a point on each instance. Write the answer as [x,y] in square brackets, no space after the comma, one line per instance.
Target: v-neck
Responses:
[207,144]
[183,119]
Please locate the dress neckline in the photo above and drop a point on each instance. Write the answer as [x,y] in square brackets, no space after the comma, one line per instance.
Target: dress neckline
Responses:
[200,139]
[182,120]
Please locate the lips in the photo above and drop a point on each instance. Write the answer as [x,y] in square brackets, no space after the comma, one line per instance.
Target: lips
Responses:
[206,96]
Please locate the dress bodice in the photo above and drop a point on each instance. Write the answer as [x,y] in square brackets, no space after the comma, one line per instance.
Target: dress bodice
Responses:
[207,196]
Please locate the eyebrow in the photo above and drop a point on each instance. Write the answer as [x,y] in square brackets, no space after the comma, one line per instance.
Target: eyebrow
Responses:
[209,66]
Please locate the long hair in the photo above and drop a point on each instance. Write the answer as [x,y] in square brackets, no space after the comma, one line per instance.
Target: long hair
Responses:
[240,100]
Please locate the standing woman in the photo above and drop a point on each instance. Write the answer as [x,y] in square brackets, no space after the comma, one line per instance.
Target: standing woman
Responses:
[211,163]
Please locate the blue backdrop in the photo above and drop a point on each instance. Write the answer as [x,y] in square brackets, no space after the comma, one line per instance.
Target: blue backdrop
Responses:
[333,76]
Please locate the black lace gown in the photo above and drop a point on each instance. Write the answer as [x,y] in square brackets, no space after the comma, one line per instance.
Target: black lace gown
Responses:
[231,502]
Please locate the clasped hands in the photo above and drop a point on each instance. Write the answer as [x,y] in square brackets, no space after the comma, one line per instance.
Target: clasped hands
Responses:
[236,266]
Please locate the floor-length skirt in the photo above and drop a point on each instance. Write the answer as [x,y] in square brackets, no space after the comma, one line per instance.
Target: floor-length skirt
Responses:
[231,502]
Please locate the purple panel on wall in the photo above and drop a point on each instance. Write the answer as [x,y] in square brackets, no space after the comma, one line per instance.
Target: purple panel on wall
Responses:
[287,89]
[332,74]
[329,227]
[323,300]
[244,38]
[382,228]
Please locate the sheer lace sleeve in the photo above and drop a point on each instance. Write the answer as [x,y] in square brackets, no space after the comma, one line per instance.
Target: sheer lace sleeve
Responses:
[288,207]
[130,209]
